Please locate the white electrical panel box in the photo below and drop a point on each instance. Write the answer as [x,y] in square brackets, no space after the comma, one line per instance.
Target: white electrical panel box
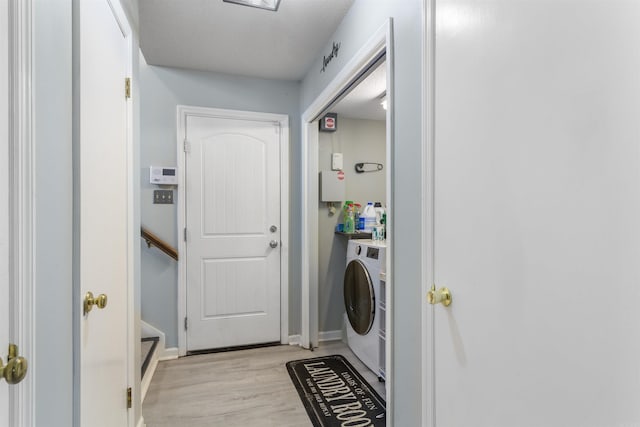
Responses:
[163,175]
[336,161]
[332,186]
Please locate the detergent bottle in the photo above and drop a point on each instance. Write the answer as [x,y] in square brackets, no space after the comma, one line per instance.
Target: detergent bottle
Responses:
[359,224]
[369,215]
[349,219]
[379,212]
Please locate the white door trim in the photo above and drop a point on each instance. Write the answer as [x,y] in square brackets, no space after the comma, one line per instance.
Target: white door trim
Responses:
[183,111]
[380,42]
[133,226]
[22,194]
[359,62]
[428,178]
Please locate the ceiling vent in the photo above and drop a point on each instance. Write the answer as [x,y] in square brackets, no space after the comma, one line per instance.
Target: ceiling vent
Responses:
[260,4]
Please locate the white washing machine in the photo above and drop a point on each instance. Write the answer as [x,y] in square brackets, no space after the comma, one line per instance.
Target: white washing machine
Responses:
[364,300]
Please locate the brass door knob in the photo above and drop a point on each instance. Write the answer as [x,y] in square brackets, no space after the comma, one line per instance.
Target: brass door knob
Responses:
[90,301]
[442,295]
[16,368]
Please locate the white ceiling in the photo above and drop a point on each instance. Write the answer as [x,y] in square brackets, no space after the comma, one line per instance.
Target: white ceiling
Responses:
[212,35]
[363,102]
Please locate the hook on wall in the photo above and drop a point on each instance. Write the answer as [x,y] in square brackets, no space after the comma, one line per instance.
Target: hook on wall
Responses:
[360,167]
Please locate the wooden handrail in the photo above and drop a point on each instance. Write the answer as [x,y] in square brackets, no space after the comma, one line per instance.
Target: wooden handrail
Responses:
[153,240]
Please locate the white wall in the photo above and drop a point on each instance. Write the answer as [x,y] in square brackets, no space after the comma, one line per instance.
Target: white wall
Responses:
[362,21]
[162,89]
[358,141]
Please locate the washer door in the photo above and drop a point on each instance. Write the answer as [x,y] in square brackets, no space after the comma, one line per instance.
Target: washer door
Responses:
[359,299]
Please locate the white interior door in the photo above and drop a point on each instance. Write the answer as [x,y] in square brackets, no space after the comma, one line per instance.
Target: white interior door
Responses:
[233,231]
[537,213]
[105,211]
[4,205]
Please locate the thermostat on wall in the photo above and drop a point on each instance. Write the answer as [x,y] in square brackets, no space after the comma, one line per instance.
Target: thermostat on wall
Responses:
[162,175]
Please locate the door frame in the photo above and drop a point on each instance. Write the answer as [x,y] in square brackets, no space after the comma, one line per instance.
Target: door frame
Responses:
[21,195]
[428,53]
[381,41]
[183,111]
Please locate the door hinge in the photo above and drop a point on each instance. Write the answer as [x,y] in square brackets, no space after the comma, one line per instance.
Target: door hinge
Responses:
[185,234]
[129,398]
[186,323]
[186,146]
[127,87]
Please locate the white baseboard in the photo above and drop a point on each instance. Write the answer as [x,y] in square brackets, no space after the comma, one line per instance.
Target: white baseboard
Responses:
[148,375]
[322,337]
[141,422]
[146,330]
[330,336]
[169,354]
[163,352]
[294,339]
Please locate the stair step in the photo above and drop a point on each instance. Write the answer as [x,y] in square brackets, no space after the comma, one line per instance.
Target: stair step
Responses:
[148,345]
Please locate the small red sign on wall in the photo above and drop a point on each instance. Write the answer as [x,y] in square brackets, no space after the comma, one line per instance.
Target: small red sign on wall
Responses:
[340,175]
[329,123]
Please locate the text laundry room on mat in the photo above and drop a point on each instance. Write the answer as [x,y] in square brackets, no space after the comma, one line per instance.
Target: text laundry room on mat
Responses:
[335,394]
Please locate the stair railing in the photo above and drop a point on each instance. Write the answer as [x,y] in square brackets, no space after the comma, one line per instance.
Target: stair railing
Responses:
[153,240]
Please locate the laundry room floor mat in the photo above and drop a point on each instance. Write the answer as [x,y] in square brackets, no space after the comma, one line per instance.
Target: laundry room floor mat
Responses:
[335,394]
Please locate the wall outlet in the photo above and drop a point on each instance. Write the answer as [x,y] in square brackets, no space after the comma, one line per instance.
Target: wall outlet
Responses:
[162,197]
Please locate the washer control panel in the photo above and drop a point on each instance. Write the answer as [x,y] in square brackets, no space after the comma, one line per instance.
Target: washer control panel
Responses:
[373,252]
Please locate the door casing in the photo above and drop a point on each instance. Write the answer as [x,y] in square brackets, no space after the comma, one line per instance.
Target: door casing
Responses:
[183,112]
[428,225]
[18,62]
[380,42]
[5,303]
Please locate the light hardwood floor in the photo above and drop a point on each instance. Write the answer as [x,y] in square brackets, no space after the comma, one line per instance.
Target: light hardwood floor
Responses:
[237,388]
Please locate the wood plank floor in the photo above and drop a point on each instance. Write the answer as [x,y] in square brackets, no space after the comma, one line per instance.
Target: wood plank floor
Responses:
[237,388]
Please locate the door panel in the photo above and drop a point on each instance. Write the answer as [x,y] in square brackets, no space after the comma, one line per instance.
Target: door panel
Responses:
[232,200]
[105,222]
[221,301]
[232,165]
[537,201]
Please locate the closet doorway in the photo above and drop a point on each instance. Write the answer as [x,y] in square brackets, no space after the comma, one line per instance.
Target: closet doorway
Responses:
[374,58]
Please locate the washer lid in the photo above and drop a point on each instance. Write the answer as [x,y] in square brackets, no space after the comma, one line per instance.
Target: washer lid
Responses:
[359,298]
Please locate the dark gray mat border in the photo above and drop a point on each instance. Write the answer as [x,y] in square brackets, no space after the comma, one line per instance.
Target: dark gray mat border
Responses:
[308,406]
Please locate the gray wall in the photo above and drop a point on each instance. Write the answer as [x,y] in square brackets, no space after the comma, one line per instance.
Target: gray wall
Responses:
[52,108]
[362,21]
[162,89]
[358,141]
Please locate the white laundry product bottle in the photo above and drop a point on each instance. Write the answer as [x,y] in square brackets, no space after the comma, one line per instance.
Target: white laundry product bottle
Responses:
[369,215]
[379,212]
